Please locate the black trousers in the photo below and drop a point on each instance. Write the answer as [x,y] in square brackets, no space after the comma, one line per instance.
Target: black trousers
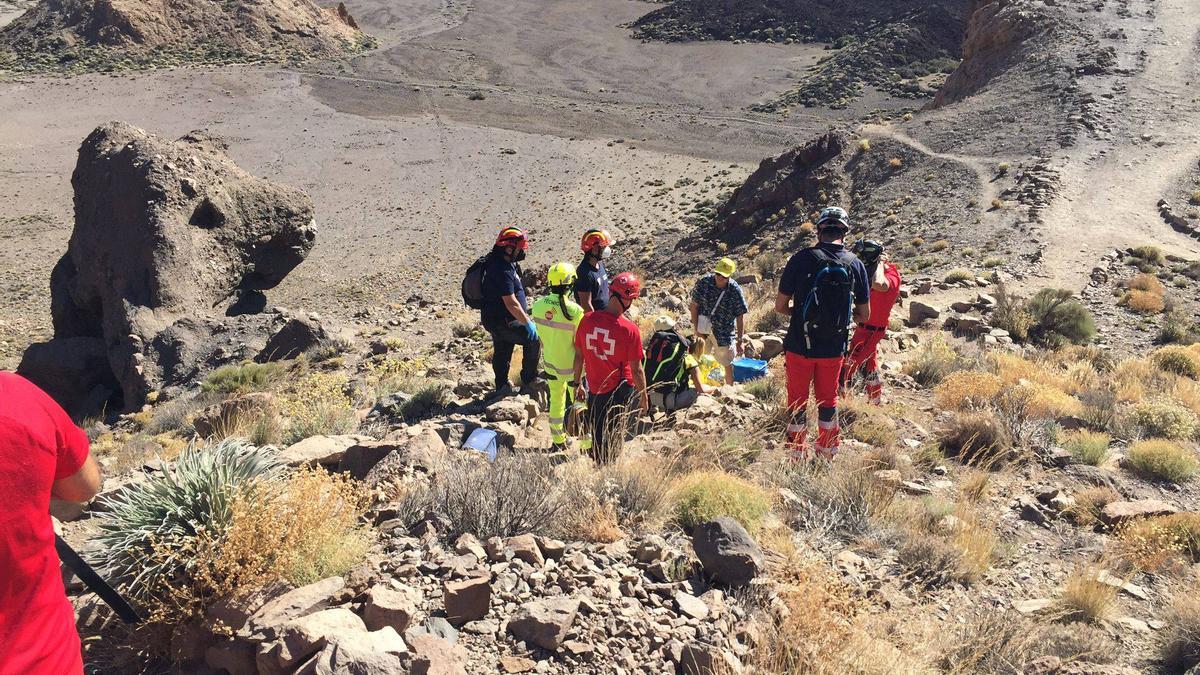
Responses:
[504,339]
[609,418]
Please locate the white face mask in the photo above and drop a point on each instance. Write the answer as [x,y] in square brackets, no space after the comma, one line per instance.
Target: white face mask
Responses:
[606,253]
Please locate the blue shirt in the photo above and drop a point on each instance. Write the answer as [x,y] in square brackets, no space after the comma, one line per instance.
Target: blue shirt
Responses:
[501,278]
[797,282]
[592,280]
[722,305]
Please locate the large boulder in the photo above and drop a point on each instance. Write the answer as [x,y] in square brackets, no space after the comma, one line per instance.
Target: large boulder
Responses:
[544,623]
[164,272]
[727,551]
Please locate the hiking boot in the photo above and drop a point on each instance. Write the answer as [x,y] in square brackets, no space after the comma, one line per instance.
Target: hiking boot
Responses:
[503,392]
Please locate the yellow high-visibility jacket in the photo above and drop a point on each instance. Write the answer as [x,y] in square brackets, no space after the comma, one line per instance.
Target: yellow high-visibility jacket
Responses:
[557,332]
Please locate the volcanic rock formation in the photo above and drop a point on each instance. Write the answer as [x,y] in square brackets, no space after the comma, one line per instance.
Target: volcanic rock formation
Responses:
[162,279]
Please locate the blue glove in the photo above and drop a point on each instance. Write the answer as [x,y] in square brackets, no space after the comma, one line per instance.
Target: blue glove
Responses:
[531,333]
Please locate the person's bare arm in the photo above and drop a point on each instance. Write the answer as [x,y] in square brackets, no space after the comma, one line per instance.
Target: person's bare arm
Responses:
[741,332]
[880,282]
[783,304]
[695,309]
[585,301]
[862,312]
[697,382]
[81,486]
[514,308]
[639,382]
[580,394]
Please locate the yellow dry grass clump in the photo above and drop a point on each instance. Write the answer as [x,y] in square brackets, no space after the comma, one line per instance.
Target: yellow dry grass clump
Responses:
[967,390]
[705,495]
[1086,597]
[1143,302]
[1158,459]
[318,405]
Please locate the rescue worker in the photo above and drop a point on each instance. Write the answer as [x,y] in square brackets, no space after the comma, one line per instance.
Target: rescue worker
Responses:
[822,289]
[557,317]
[609,349]
[591,285]
[504,313]
[864,346]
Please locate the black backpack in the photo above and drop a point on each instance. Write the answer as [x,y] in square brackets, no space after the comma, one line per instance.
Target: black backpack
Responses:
[472,283]
[665,359]
[827,311]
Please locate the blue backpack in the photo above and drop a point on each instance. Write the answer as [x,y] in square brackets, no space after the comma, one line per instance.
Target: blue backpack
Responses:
[828,309]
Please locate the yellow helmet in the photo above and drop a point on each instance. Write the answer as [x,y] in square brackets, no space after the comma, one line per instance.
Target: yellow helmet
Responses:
[561,274]
[726,267]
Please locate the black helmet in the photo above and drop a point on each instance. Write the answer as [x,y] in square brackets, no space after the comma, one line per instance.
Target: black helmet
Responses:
[833,217]
[868,250]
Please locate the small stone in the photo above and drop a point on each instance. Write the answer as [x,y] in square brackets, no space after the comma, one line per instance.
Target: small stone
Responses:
[544,623]
[690,605]
[516,664]
[1118,512]
[387,606]
[467,600]
[1033,606]
[524,547]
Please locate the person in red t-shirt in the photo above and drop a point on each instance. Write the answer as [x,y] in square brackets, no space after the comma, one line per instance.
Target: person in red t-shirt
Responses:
[864,346]
[42,455]
[609,350]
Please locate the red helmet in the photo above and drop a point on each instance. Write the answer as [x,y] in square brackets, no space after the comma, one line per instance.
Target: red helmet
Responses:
[593,237]
[512,236]
[627,285]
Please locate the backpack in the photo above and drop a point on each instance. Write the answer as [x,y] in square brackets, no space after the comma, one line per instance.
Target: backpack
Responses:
[664,363]
[472,283]
[828,309]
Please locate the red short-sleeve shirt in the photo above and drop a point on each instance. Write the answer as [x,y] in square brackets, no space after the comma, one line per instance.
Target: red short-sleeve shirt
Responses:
[883,301]
[610,346]
[38,445]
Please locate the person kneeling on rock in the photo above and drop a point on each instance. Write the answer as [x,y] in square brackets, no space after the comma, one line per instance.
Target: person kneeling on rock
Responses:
[672,368]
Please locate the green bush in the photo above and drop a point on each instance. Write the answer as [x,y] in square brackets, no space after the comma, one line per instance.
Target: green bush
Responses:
[1058,318]
[705,495]
[1178,360]
[1165,418]
[1150,254]
[149,529]
[242,378]
[1088,447]
[1157,459]
[1177,328]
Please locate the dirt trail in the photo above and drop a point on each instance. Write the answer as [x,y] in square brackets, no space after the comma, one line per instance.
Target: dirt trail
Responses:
[1111,184]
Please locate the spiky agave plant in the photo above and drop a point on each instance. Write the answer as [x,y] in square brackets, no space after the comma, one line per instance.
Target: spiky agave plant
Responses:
[151,530]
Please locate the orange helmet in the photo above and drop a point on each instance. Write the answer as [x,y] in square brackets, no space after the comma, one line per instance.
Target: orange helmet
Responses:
[512,236]
[593,237]
[627,285]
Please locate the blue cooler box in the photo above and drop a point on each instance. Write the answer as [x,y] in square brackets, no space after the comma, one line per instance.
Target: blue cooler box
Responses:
[745,369]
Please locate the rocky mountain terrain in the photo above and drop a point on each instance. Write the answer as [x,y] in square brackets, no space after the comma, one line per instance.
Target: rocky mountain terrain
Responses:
[111,34]
[1026,500]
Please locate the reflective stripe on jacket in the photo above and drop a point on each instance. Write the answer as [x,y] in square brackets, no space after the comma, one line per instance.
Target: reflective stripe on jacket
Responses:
[557,333]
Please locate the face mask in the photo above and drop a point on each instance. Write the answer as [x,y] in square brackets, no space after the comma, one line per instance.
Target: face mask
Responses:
[606,253]
[519,257]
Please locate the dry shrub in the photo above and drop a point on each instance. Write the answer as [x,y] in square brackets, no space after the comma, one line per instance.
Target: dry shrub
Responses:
[943,547]
[842,499]
[1008,643]
[1180,649]
[1165,418]
[1143,302]
[632,494]
[1049,402]
[958,275]
[705,495]
[1090,503]
[1087,447]
[1013,369]
[305,529]
[1085,597]
[976,439]
[1162,460]
[1059,319]
[593,521]
[516,494]
[974,486]
[967,390]
[1149,254]
[821,630]
[1150,544]
[935,361]
[1146,282]
[318,405]
[1010,313]
[1178,360]
[867,423]
[1100,410]
[1187,392]
[242,378]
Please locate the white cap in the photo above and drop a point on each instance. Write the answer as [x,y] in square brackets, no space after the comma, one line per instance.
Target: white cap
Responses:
[664,322]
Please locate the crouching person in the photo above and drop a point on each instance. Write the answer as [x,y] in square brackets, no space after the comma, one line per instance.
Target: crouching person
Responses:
[672,368]
[609,352]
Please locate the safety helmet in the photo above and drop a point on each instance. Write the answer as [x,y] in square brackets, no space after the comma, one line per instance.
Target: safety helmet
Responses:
[561,274]
[833,217]
[867,250]
[726,267]
[593,237]
[664,323]
[512,236]
[626,285]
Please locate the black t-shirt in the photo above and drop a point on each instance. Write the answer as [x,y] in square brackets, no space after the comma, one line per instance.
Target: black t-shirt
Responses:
[797,282]
[501,278]
[592,280]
